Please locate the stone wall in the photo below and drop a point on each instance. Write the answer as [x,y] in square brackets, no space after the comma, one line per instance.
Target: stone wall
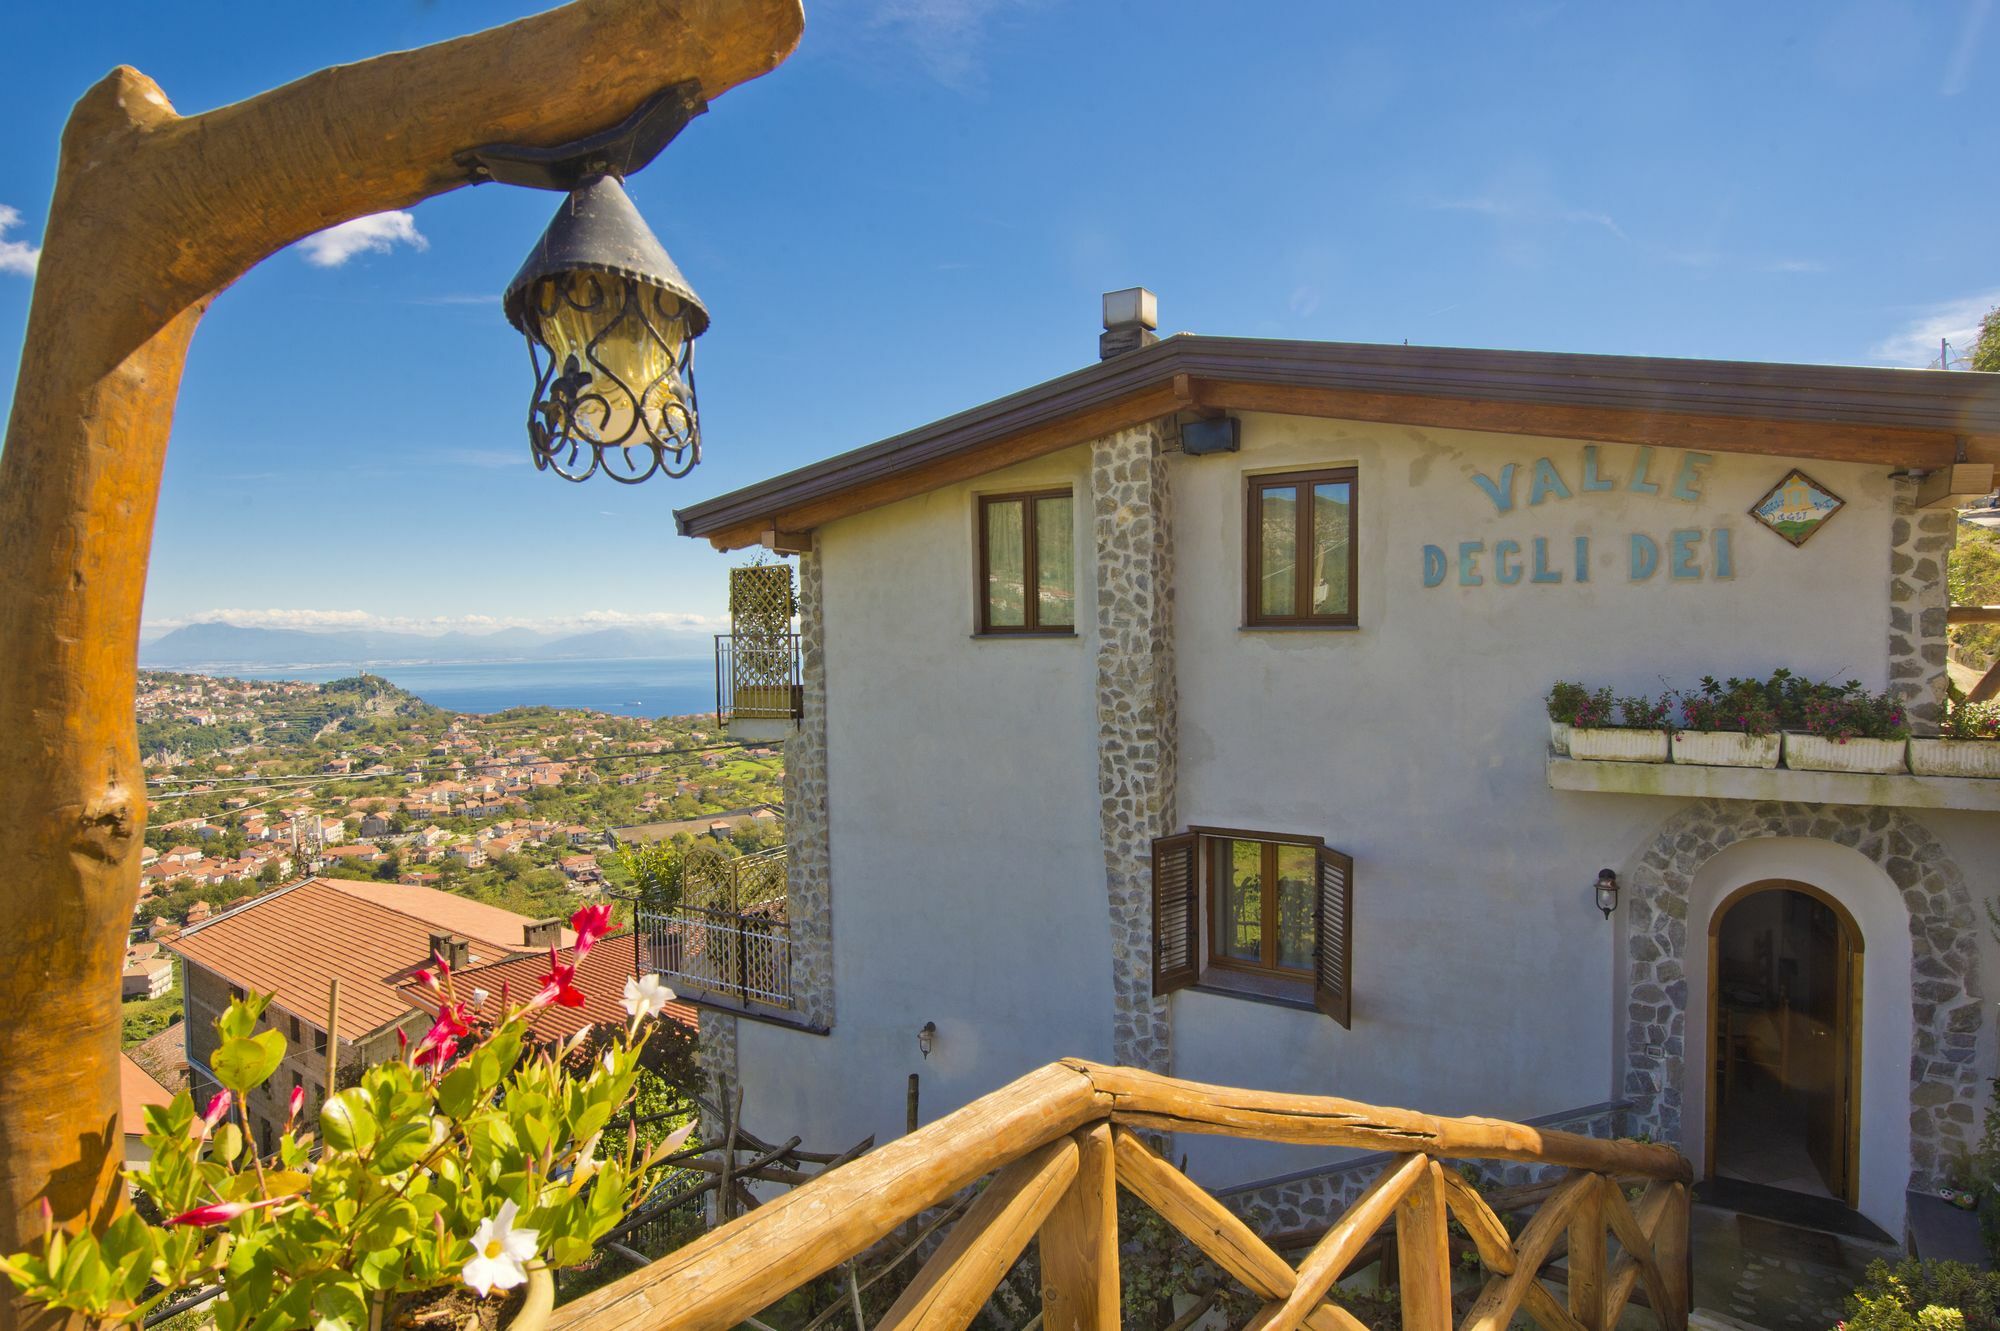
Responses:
[1945,1008]
[1919,545]
[716,1052]
[1318,1196]
[808,876]
[1136,729]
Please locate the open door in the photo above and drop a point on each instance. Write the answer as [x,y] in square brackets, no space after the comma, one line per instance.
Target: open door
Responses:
[1785,1040]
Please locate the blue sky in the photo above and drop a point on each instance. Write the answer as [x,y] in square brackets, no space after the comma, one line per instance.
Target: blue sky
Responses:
[918,211]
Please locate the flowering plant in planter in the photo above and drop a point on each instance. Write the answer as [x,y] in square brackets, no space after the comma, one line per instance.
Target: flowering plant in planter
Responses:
[475,1160]
[1575,705]
[1740,706]
[1638,712]
[1852,712]
[1970,720]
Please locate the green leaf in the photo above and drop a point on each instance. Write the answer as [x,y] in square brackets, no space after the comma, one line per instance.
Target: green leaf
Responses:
[242,1063]
[457,1092]
[403,1145]
[381,1268]
[241,1017]
[347,1122]
[227,1143]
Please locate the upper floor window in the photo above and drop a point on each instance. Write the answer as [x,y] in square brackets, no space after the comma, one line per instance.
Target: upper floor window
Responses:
[1258,913]
[1027,563]
[1299,549]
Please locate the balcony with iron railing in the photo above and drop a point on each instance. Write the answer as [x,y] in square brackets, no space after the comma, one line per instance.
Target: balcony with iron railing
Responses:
[759,685]
[727,941]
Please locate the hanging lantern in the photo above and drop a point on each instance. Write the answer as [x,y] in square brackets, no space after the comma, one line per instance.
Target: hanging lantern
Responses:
[611,325]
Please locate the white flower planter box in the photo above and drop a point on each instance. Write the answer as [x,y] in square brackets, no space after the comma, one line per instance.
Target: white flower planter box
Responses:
[1816,753]
[1955,757]
[1617,746]
[1725,748]
[1559,736]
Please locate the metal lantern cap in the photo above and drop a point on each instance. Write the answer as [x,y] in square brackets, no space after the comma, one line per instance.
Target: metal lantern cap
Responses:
[598,229]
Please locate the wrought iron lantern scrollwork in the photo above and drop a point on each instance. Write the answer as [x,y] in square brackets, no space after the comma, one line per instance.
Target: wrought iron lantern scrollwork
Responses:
[610,320]
[611,325]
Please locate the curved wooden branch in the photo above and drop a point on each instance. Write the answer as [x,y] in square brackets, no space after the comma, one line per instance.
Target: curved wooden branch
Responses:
[153,214]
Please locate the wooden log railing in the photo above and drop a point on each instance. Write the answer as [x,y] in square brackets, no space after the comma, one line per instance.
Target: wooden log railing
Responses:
[1062,1140]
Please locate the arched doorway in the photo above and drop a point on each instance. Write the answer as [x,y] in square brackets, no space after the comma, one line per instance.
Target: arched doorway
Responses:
[1784,1047]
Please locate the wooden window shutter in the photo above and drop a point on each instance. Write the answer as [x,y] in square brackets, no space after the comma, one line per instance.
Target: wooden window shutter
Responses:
[1333,933]
[1176,913]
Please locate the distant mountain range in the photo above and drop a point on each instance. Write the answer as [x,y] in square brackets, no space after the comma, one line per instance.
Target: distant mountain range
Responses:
[222,644]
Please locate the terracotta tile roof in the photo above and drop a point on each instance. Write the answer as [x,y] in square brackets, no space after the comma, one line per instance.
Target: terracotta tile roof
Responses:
[137,1090]
[601,975]
[293,942]
[476,920]
[164,1057]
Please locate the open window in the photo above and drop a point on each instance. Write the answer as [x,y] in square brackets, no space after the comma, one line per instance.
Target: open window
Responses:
[1264,914]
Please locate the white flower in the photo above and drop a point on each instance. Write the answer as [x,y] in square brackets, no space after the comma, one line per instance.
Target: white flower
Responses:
[500,1253]
[646,997]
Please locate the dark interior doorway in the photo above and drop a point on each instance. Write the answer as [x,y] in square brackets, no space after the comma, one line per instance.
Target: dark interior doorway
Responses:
[1784,991]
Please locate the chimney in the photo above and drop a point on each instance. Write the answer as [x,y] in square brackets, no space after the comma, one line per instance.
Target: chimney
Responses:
[456,951]
[539,934]
[1130,316]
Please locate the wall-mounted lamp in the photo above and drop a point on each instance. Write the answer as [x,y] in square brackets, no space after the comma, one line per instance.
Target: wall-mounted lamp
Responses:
[926,1038]
[1607,891]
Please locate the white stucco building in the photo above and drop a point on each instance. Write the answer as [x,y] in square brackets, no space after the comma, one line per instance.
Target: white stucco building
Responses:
[1186,711]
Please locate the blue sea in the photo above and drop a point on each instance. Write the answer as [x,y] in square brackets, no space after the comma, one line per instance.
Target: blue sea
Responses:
[636,687]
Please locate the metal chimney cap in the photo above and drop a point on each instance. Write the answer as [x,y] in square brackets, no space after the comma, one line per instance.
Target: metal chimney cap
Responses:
[1132,307]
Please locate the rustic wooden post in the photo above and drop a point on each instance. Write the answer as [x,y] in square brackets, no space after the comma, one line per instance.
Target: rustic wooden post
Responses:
[1079,1242]
[1423,1252]
[1671,1249]
[153,214]
[1587,1254]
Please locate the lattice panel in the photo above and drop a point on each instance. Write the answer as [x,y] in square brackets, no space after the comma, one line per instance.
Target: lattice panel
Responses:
[761,602]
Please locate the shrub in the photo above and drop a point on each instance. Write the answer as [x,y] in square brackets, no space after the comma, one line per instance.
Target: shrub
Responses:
[1741,705]
[1851,712]
[1970,720]
[1575,705]
[1915,1295]
[472,1160]
[1639,712]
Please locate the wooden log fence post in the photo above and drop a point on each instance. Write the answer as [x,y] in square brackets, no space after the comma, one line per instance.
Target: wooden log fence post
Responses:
[153,214]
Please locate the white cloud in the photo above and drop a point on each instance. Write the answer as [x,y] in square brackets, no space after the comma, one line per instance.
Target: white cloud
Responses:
[948,34]
[365,620]
[378,233]
[1956,321]
[16,256]
[1505,209]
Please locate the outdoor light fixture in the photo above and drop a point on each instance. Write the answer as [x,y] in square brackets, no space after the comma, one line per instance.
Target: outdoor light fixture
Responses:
[1607,891]
[610,320]
[926,1038]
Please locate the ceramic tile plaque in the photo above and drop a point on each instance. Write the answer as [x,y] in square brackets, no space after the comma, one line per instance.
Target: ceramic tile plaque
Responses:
[1797,507]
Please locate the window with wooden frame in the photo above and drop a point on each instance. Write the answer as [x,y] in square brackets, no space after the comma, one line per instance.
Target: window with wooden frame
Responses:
[1027,563]
[1299,543]
[1266,911]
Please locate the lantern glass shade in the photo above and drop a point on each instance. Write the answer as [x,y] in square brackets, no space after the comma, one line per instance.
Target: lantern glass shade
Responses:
[1607,892]
[614,376]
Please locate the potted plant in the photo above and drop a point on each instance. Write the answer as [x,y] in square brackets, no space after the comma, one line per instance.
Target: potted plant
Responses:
[1572,705]
[1848,729]
[1965,745]
[1727,725]
[1639,737]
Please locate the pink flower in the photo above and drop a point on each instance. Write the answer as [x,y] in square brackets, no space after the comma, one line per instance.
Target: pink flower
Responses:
[440,1045]
[591,923]
[426,981]
[559,985]
[221,1213]
[218,1109]
[298,1102]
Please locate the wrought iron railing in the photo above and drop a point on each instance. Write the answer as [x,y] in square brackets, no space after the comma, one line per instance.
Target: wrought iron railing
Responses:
[730,933]
[713,953]
[759,678]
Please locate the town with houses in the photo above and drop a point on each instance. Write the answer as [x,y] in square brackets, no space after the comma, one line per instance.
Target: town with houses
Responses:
[408,825]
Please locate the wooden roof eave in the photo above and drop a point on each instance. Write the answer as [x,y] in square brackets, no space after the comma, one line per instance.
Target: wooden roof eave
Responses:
[1867,415]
